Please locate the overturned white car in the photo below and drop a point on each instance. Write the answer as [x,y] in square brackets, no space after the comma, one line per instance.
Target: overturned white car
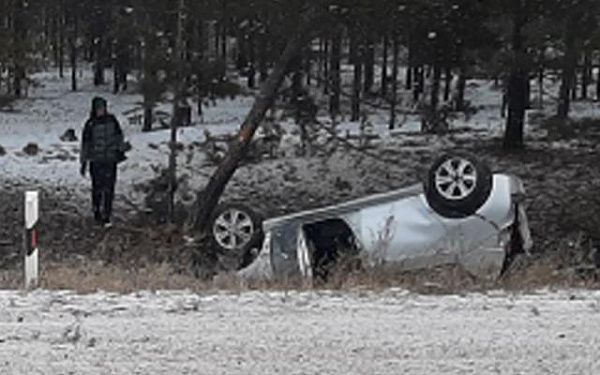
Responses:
[463,214]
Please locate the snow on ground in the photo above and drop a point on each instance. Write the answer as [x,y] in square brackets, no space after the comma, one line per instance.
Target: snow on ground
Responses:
[52,108]
[392,332]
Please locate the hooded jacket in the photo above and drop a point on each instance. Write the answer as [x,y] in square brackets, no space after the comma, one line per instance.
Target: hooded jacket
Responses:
[102,140]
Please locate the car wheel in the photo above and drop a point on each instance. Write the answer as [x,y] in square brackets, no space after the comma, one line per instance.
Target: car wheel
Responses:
[458,185]
[236,230]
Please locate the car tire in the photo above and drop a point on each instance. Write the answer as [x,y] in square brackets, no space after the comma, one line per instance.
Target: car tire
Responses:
[458,185]
[235,234]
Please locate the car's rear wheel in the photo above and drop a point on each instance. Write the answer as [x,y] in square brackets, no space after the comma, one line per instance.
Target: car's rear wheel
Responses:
[458,185]
[236,230]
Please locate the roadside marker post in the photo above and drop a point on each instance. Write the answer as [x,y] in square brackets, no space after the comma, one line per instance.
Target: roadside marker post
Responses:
[32,205]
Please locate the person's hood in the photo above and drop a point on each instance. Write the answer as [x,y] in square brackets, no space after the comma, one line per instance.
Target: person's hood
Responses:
[98,102]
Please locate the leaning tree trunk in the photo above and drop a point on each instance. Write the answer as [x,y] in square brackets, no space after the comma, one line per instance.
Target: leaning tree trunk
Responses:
[209,197]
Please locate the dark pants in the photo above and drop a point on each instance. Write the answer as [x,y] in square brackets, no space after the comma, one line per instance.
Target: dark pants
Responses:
[104,176]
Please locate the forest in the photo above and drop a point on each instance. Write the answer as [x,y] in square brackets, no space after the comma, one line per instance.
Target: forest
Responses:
[431,47]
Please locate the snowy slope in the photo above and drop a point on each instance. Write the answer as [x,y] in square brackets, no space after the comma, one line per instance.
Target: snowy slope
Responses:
[52,108]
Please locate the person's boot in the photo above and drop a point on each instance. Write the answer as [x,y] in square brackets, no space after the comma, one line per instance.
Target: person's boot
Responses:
[98,217]
[107,222]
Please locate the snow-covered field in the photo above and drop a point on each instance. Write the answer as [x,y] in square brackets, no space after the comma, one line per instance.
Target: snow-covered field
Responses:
[51,109]
[392,332]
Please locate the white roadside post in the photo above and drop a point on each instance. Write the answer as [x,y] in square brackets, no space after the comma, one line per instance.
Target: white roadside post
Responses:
[31,239]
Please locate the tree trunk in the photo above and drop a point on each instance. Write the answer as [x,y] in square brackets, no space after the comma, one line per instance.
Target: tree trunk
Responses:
[262,57]
[320,63]
[335,72]
[394,94]
[574,84]
[252,62]
[19,33]
[296,68]
[598,84]
[435,88]
[176,116]
[528,92]
[326,67]
[73,48]
[408,84]
[447,83]
[308,67]
[567,78]
[384,66]
[148,116]
[356,59]
[369,65]
[585,76]
[541,87]
[223,31]
[55,38]
[419,86]
[99,64]
[209,197]
[517,87]
[61,40]
[461,88]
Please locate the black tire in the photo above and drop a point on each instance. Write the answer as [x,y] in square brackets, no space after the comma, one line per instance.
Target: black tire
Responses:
[445,194]
[238,254]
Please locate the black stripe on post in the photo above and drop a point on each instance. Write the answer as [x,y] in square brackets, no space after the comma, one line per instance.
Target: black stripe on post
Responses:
[31,240]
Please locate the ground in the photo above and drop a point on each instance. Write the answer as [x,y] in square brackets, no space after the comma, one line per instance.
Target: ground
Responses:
[357,332]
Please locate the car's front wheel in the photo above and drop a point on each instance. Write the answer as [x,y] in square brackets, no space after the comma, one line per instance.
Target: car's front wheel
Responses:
[458,185]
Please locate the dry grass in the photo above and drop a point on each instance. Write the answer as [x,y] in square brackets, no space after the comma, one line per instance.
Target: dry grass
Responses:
[448,280]
[90,278]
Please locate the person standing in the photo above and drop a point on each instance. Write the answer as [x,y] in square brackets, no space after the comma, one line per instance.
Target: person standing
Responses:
[102,148]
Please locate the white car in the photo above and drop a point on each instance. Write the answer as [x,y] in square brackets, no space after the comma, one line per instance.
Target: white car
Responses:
[463,215]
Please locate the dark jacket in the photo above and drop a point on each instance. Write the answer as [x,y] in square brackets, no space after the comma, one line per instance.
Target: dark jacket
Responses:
[102,140]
